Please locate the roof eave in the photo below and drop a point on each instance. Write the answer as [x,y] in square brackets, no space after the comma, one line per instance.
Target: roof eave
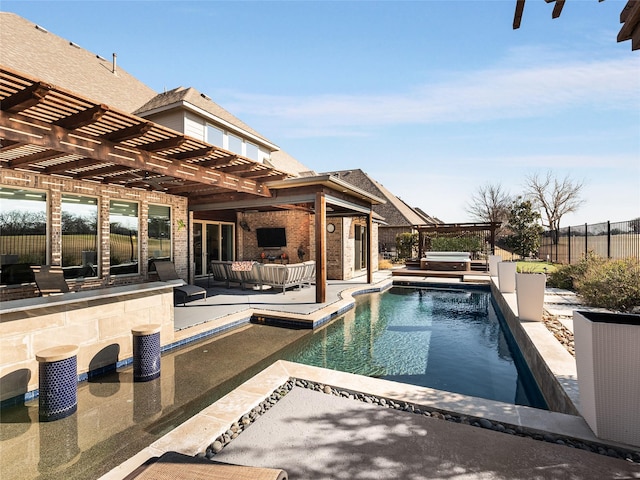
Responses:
[328,181]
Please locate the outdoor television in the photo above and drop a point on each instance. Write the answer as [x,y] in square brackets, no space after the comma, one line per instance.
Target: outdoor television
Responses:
[271,237]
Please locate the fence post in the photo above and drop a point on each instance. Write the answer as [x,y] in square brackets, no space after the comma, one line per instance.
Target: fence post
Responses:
[608,239]
[568,245]
[586,242]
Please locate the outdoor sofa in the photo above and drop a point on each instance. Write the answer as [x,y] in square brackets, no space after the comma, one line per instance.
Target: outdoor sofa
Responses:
[257,274]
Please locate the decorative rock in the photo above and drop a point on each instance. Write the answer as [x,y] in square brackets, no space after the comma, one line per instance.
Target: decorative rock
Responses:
[484,423]
[216,447]
[327,390]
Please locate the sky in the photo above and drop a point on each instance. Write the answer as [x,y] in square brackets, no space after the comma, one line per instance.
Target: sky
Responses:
[431,98]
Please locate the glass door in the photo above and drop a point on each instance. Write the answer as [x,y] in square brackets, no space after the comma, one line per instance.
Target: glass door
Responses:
[212,241]
[360,247]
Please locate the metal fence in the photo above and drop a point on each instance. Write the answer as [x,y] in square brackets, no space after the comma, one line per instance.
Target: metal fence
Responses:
[607,239]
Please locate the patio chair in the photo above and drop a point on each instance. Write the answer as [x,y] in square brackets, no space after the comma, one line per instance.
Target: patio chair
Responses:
[50,280]
[166,271]
[176,466]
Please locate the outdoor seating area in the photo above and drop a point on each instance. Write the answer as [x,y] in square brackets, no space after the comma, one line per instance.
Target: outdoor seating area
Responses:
[261,275]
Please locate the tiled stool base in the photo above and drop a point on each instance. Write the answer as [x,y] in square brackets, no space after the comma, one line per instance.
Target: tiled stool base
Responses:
[146,357]
[58,396]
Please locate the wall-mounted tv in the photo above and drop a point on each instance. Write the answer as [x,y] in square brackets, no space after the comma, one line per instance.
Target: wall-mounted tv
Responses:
[271,237]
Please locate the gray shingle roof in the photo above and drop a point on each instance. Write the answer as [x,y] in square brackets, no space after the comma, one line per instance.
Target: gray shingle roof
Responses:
[395,211]
[33,50]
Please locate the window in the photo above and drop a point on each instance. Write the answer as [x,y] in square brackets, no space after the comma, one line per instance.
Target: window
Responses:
[23,233]
[215,136]
[235,144]
[79,236]
[159,231]
[252,151]
[123,237]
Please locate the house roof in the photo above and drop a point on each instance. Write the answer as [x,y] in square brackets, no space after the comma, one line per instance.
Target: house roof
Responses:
[395,212]
[30,48]
[189,98]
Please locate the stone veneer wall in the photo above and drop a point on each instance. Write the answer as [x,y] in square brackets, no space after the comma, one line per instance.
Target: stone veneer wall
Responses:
[100,327]
[55,187]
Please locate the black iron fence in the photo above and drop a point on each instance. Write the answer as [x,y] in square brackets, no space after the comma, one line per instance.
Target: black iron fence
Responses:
[607,239]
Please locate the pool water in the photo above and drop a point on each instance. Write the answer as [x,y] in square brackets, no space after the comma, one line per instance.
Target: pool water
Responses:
[445,339]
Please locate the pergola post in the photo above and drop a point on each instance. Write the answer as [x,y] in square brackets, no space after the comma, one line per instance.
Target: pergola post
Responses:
[369,248]
[321,247]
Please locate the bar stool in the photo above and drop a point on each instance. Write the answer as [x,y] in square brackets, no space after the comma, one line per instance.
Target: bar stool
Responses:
[146,352]
[58,382]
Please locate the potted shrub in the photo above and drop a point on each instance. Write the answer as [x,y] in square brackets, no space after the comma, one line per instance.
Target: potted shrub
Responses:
[608,365]
[530,295]
[507,276]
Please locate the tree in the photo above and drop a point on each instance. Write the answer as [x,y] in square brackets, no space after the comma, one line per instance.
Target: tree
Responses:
[525,229]
[490,203]
[553,196]
[405,244]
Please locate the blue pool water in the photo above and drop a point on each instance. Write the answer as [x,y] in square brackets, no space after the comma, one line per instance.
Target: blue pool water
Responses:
[450,340]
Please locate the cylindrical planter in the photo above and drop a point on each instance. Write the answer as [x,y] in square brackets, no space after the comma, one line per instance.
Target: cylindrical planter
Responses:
[608,364]
[507,277]
[146,352]
[58,382]
[493,264]
[530,295]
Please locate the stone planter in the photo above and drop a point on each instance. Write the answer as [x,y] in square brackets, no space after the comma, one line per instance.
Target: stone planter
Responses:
[530,295]
[608,364]
[493,264]
[507,277]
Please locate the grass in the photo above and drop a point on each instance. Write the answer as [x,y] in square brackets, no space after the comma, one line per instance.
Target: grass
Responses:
[536,267]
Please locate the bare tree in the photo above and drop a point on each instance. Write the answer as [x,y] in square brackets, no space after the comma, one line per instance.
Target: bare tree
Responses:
[554,196]
[490,203]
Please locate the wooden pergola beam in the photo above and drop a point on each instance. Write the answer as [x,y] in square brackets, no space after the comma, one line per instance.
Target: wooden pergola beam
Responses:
[127,133]
[194,154]
[35,158]
[517,18]
[166,144]
[20,128]
[83,118]
[62,167]
[27,98]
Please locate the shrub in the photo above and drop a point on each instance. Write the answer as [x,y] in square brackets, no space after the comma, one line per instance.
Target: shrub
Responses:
[405,243]
[384,264]
[613,284]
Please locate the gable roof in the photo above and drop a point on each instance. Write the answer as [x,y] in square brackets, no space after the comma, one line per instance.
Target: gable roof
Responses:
[188,98]
[30,48]
[395,212]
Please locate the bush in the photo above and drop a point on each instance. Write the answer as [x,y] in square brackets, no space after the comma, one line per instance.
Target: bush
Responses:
[611,284]
[384,265]
[405,243]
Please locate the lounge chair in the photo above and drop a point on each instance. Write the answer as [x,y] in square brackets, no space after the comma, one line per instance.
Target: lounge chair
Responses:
[50,280]
[166,271]
[176,466]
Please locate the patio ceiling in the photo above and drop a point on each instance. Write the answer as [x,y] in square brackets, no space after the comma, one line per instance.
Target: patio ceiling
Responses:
[629,17]
[52,131]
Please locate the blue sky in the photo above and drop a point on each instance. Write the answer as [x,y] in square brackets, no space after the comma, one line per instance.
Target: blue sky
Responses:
[431,98]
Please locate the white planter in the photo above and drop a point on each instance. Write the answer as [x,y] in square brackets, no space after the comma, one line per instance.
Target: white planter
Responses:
[608,364]
[507,277]
[493,265]
[530,295]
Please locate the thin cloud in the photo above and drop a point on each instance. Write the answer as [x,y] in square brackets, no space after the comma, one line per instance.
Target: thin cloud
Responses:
[495,94]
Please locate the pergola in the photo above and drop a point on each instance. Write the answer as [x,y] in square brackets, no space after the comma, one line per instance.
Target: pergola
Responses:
[51,131]
[457,228]
[629,17]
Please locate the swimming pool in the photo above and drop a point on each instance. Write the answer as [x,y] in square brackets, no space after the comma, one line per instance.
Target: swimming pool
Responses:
[447,339]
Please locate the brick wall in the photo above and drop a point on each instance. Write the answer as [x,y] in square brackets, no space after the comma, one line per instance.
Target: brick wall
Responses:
[55,187]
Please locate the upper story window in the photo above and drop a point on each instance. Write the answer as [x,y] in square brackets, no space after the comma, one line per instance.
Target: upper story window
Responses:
[253,152]
[235,144]
[215,136]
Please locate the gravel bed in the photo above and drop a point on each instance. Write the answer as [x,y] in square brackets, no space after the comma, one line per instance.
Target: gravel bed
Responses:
[246,420]
[562,333]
